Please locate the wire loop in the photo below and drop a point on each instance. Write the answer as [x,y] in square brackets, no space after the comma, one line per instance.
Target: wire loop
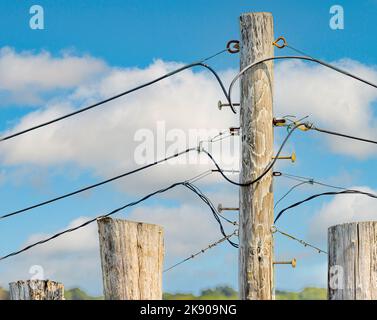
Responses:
[233,46]
[280,46]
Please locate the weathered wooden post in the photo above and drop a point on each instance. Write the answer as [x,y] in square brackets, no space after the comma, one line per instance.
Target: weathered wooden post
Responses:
[256,201]
[352,267]
[132,259]
[36,290]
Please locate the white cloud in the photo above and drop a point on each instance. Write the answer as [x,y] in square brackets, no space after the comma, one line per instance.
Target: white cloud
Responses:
[343,209]
[332,101]
[103,139]
[25,76]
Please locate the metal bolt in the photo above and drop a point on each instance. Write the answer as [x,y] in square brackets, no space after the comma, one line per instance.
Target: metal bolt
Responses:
[220,105]
[226,170]
[220,208]
[292,157]
[293,262]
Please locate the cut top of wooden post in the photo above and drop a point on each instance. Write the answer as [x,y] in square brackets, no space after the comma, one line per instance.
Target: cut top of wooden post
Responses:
[36,290]
[353,261]
[132,259]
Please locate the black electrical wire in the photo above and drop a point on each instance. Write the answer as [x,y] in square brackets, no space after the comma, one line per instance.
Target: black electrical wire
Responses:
[266,170]
[94,185]
[200,63]
[200,194]
[89,221]
[325,64]
[169,74]
[343,135]
[214,208]
[209,202]
[185,183]
[331,193]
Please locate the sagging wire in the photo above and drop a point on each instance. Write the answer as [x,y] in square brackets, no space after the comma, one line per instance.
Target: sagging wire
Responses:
[186,184]
[331,193]
[86,188]
[128,173]
[207,201]
[202,176]
[90,221]
[305,58]
[266,170]
[231,48]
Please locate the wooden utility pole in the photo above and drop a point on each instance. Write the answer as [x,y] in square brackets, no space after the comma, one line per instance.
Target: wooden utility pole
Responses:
[36,290]
[256,201]
[352,273]
[132,259]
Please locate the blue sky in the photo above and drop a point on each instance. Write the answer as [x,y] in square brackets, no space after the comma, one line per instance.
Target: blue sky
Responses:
[133,34]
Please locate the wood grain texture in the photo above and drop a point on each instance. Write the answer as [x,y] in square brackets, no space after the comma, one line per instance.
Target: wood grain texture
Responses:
[352,263]
[132,259]
[36,290]
[256,201]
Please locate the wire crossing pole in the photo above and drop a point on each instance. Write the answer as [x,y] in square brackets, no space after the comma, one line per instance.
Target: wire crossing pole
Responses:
[256,201]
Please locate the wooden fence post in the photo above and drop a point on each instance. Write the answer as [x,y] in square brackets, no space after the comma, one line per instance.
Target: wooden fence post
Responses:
[132,259]
[352,267]
[36,290]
